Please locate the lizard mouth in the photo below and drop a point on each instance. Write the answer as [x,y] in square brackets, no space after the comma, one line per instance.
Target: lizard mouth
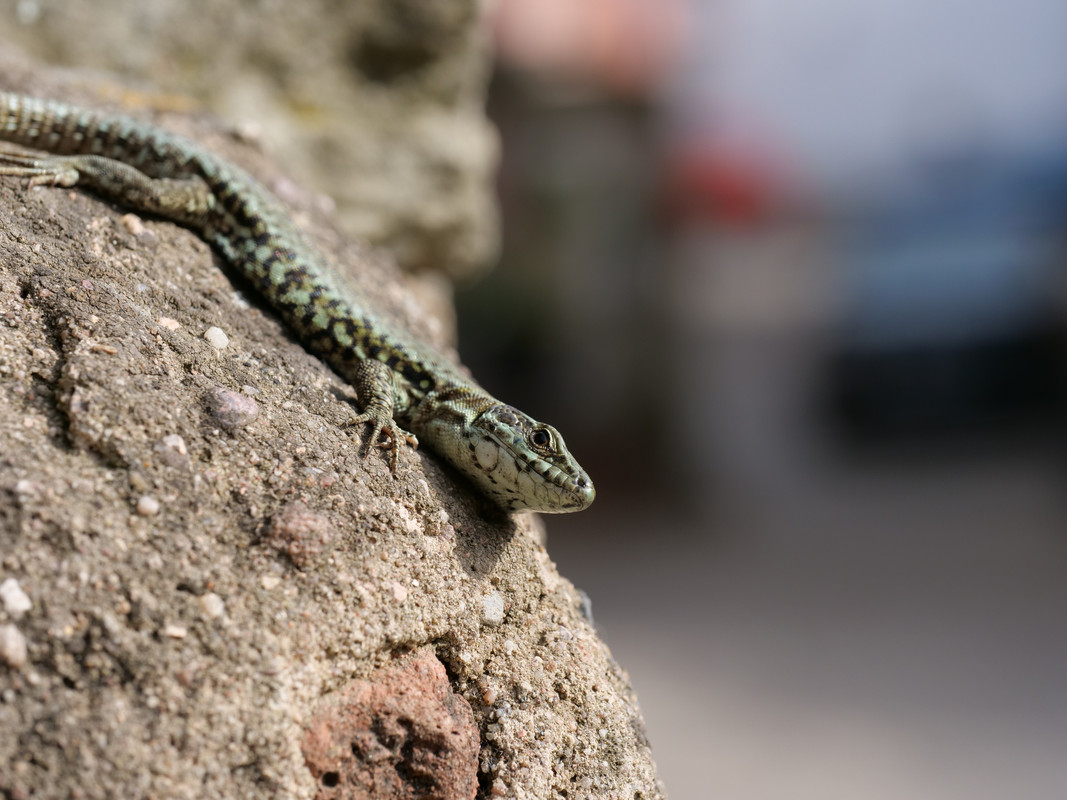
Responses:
[585,493]
[573,492]
[581,489]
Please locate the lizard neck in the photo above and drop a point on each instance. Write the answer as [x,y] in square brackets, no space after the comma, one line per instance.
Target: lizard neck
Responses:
[442,414]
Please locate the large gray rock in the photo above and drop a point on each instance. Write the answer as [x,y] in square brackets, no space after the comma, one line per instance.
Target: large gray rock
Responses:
[200,572]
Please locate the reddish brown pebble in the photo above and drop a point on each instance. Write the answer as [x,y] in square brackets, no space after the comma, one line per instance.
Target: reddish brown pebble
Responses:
[231,410]
[401,734]
[299,533]
[168,323]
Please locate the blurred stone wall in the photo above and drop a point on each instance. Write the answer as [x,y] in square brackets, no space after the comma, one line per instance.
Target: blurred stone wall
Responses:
[377,103]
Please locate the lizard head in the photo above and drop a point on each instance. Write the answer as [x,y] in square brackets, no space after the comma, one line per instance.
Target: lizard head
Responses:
[522,463]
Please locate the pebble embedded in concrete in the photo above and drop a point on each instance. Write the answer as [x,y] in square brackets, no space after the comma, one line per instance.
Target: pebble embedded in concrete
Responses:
[217,338]
[175,442]
[231,410]
[16,602]
[493,609]
[13,649]
[133,224]
[212,605]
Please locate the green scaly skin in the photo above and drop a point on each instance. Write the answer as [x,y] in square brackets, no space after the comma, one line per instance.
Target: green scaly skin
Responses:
[515,460]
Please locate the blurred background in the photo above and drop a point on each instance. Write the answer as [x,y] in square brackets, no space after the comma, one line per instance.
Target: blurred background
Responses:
[791,279]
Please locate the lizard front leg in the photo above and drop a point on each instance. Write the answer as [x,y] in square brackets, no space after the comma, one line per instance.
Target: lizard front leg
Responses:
[376,385]
[188,201]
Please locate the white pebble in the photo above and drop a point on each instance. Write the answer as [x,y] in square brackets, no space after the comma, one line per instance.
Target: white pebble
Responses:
[147,506]
[212,605]
[16,602]
[492,609]
[13,650]
[410,522]
[133,224]
[175,632]
[168,323]
[175,442]
[216,338]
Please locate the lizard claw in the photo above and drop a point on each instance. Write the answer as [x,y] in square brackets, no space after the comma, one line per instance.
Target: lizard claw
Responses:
[394,435]
[42,169]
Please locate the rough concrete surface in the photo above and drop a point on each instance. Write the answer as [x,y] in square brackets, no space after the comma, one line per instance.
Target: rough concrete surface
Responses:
[198,565]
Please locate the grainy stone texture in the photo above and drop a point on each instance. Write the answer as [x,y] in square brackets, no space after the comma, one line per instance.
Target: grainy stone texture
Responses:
[390,91]
[187,652]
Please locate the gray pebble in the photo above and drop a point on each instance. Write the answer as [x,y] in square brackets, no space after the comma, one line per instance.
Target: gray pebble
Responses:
[231,410]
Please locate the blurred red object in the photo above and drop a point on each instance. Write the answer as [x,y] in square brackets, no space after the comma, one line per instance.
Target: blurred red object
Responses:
[708,181]
[626,46]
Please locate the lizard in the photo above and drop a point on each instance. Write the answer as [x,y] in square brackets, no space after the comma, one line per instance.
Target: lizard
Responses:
[406,390]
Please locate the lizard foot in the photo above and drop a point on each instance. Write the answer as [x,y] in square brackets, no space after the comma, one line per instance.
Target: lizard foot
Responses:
[382,424]
[40,168]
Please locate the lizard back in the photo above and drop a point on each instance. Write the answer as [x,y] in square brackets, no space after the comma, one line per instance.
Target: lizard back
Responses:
[248,226]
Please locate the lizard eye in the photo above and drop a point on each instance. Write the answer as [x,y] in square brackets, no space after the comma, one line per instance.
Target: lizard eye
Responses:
[540,438]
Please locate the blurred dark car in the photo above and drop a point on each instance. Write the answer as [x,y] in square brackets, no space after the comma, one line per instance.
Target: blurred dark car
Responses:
[954,315]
